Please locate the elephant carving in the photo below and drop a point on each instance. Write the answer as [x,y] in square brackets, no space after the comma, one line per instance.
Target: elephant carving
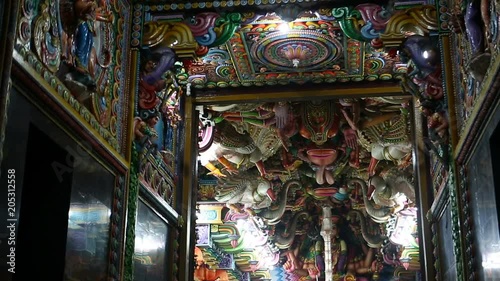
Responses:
[256,193]
[392,187]
[283,239]
[373,240]
[231,148]
[378,214]
[272,215]
[392,190]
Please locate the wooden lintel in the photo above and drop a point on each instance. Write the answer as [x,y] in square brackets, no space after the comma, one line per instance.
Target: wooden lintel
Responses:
[297,92]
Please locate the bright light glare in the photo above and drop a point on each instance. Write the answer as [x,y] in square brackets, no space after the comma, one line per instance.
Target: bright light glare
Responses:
[284,27]
[492,261]
[241,225]
[145,245]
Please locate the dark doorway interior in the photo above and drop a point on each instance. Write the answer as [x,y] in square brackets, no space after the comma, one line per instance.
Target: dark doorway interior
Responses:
[43,218]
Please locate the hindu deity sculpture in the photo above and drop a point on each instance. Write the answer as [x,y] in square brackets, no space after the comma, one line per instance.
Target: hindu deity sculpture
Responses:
[144,129]
[231,149]
[477,25]
[346,255]
[148,88]
[437,123]
[424,68]
[338,248]
[157,109]
[278,116]
[327,143]
[80,18]
[152,78]
[385,135]
[320,121]
[264,115]
[305,260]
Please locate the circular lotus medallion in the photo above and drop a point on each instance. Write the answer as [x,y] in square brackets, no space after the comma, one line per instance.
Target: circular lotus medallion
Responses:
[296,50]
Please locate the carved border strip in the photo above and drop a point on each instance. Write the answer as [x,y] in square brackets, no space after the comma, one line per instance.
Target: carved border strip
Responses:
[467,228]
[434,216]
[137,21]
[456,224]
[467,223]
[126,99]
[132,202]
[62,96]
[117,228]
[487,98]
[218,4]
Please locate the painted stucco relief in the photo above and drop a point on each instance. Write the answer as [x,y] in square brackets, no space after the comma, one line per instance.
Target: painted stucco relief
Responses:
[78,49]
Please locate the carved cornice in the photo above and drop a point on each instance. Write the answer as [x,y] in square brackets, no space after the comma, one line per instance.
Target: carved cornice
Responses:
[415,21]
[487,99]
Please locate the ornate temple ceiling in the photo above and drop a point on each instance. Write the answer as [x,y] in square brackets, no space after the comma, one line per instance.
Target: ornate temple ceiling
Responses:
[290,189]
[210,4]
[271,172]
[297,43]
[269,51]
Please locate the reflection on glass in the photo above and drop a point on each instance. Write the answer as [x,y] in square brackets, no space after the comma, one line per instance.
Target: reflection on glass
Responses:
[481,173]
[150,246]
[87,248]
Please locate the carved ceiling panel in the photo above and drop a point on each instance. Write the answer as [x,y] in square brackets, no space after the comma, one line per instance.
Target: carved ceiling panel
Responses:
[307,189]
[285,45]
[270,51]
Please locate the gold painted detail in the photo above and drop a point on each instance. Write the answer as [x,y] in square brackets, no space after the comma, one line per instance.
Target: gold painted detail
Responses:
[390,132]
[416,21]
[174,35]
[156,5]
[47,44]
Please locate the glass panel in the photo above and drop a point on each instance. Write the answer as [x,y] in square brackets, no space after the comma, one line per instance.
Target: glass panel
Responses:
[150,245]
[64,198]
[481,173]
[445,245]
[89,220]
